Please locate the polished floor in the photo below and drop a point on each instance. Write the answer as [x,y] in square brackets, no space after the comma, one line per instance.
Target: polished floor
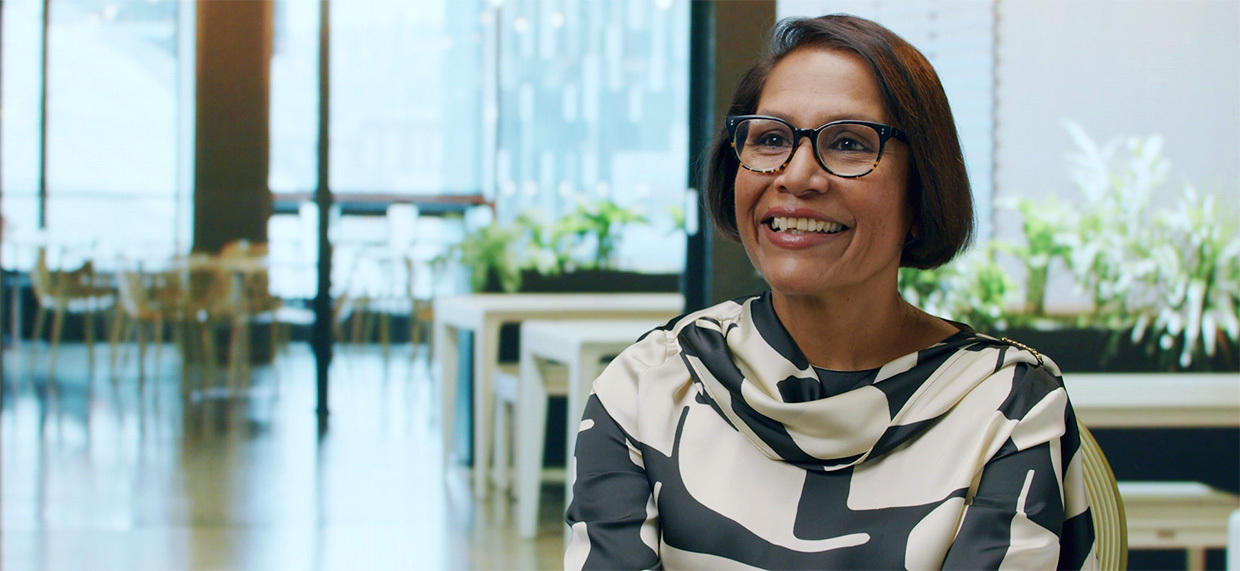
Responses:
[100,471]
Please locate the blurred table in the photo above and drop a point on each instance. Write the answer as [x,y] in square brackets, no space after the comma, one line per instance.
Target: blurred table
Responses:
[483,314]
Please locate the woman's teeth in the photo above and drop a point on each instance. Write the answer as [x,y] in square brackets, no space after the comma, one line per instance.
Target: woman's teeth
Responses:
[804,225]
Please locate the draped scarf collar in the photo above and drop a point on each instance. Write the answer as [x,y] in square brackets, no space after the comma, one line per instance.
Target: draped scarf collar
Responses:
[753,374]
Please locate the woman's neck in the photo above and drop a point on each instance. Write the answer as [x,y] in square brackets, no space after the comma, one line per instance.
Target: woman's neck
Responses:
[857,330]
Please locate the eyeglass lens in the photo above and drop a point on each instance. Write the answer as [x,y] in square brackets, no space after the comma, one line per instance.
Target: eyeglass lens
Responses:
[847,149]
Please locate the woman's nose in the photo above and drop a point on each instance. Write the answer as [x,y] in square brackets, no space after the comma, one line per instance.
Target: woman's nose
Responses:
[803,174]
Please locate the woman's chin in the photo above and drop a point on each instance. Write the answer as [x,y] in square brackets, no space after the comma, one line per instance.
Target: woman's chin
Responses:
[797,285]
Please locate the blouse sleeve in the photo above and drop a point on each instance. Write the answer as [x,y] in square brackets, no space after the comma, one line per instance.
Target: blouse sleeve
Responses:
[613,518]
[1029,510]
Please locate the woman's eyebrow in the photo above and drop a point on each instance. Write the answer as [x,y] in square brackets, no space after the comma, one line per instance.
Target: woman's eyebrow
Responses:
[834,117]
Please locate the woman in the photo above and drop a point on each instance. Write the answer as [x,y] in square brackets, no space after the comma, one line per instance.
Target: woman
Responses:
[828,423]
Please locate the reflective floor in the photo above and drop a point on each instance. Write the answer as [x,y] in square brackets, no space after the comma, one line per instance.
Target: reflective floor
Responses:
[98,472]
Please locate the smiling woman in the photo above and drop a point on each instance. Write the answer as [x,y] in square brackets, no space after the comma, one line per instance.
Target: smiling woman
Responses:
[828,423]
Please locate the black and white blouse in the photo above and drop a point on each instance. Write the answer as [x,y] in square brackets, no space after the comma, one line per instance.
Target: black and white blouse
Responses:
[713,443]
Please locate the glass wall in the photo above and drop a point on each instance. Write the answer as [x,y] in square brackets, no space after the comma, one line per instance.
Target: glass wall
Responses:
[406,92]
[406,125]
[20,94]
[592,105]
[114,97]
[294,98]
[531,104]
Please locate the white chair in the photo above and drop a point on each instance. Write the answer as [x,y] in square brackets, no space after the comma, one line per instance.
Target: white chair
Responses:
[529,418]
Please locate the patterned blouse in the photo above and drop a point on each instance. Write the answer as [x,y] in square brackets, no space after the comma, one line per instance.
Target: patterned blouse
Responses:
[712,443]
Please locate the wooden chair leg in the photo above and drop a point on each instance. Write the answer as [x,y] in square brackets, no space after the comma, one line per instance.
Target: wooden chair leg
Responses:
[273,336]
[141,338]
[114,339]
[414,333]
[208,357]
[359,315]
[114,332]
[184,338]
[40,320]
[88,326]
[58,324]
[159,343]
[234,350]
[127,333]
[385,332]
[1195,558]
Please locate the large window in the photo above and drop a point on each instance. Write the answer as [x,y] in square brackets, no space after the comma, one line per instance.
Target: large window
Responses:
[294,98]
[534,105]
[114,175]
[531,104]
[406,93]
[20,73]
[593,104]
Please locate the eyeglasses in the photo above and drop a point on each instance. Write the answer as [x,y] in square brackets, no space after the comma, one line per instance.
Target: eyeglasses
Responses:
[848,149]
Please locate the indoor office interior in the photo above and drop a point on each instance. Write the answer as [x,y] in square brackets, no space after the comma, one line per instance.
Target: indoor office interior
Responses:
[243,242]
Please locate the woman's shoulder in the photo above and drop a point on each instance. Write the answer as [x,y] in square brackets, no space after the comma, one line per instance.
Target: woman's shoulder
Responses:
[1033,379]
[660,343]
[1006,352]
[653,363]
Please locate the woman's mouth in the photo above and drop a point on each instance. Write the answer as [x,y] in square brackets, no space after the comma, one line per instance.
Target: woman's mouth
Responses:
[791,225]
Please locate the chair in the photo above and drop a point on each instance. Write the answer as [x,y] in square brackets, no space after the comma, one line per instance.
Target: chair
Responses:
[382,284]
[226,291]
[384,287]
[422,310]
[513,407]
[145,299]
[60,292]
[1105,504]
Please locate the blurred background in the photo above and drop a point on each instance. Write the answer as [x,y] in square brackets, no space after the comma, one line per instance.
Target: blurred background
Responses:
[222,221]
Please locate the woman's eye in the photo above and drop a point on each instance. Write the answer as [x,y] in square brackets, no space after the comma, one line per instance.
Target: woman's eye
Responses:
[849,144]
[773,140]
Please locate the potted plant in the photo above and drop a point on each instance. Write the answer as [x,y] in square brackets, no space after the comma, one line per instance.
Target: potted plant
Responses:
[1193,288]
[576,252]
[1164,289]
[1167,283]
[491,257]
[972,288]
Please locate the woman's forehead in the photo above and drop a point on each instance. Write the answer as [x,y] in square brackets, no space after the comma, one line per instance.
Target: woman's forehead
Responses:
[820,84]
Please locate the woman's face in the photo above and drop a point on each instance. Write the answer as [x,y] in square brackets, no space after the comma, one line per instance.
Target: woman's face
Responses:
[867,218]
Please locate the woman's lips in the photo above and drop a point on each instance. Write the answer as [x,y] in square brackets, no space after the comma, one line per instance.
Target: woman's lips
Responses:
[801,224]
[800,232]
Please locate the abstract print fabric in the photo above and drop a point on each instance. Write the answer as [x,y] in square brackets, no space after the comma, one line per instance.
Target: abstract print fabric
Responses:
[712,443]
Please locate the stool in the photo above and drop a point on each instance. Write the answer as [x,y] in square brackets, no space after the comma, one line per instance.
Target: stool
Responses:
[1177,515]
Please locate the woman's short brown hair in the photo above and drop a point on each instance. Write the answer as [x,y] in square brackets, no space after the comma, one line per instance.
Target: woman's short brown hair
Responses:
[938,184]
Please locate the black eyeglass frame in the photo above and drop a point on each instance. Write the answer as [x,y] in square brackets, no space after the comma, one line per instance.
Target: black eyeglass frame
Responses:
[885,132]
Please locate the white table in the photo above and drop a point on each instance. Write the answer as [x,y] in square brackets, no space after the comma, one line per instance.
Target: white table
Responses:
[1165,515]
[483,314]
[581,345]
[1177,515]
[1155,400]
